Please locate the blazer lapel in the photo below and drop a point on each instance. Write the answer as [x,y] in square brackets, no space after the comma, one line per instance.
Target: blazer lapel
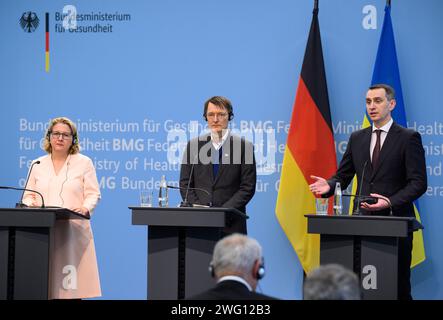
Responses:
[367,145]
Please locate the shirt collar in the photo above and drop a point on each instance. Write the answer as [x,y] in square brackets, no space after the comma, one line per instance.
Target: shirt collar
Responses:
[384,128]
[235,278]
[219,144]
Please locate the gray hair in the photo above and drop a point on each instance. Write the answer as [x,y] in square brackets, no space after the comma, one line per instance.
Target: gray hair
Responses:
[331,282]
[236,254]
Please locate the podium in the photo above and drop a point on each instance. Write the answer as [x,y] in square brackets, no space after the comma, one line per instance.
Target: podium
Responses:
[180,246]
[25,235]
[368,245]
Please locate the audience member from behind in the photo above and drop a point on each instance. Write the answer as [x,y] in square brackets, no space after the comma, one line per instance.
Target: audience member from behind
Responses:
[331,282]
[237,265]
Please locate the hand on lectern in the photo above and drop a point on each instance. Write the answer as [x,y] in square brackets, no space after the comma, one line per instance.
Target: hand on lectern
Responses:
[83,210]
[320,186]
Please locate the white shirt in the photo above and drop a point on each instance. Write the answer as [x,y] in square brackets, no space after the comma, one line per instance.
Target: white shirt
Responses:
[235,278]
[218,145]
[384,132]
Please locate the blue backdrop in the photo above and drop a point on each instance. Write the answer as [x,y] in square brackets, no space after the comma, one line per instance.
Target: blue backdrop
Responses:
[133,71]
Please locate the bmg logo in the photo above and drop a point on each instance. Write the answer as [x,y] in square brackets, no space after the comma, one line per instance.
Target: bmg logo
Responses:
[29,21]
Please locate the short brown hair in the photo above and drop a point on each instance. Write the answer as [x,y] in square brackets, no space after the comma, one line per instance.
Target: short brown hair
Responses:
[220,102]
[390,92]
[75,148]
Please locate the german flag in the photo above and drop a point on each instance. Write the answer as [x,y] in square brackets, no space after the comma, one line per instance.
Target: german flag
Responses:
[47,42]
[309,151]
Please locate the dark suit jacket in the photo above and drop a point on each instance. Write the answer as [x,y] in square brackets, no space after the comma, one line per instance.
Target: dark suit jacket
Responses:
[230,290]
[400,174]
[235,182]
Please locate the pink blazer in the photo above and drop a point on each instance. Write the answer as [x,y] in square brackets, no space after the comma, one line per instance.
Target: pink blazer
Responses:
[73,263]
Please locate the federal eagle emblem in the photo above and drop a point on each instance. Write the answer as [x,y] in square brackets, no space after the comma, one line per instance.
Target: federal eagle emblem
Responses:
[29,21]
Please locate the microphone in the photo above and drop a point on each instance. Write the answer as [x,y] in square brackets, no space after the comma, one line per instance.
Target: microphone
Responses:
[185,202]
[188,188]
[370,200]
[357,212]
[21,204]
[181,188]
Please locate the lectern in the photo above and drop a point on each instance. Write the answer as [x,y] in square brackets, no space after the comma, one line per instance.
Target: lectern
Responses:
[180,245]
[25,235]
[368,245]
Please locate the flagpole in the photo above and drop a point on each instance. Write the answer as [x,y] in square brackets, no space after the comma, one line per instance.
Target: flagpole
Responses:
[315,11]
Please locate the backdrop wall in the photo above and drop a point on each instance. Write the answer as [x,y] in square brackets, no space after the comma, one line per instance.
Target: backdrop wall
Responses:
[134,76]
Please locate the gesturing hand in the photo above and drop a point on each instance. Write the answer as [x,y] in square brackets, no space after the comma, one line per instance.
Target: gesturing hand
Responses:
[320,186]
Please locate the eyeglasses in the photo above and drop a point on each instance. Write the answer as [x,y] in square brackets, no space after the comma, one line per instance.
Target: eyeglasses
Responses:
[64,135]
[220,115]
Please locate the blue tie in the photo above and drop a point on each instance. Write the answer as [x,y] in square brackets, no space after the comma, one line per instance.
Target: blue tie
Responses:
[216,158]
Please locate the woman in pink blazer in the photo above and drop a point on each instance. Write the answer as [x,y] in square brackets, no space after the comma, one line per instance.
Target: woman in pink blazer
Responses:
[67,179]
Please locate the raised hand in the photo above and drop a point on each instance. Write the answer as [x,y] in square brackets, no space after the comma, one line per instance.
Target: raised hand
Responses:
[320,186]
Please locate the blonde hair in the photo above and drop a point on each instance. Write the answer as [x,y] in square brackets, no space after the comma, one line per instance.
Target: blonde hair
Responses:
[75,148]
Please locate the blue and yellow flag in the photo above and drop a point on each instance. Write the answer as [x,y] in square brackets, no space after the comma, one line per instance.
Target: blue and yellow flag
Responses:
[386,71]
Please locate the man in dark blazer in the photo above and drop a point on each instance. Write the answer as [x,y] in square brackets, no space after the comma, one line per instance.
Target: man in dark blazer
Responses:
[237,266]
[218,168]
[391,159]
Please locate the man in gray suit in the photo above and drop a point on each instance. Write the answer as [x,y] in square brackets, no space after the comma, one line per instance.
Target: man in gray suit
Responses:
[218,168]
